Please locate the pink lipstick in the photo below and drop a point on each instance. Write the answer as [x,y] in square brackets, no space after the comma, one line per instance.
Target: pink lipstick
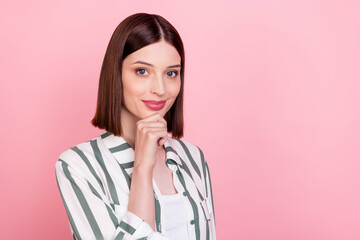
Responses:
[154,105]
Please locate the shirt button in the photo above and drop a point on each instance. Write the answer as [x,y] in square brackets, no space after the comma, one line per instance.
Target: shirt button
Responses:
[192,222]
[184,193]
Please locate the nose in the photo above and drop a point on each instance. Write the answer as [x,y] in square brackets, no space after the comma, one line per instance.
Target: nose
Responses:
[157,86]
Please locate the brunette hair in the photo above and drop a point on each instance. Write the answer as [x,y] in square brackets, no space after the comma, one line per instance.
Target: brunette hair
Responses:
[134,32]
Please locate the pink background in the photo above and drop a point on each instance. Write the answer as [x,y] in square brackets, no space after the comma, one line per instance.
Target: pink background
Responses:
[271,96]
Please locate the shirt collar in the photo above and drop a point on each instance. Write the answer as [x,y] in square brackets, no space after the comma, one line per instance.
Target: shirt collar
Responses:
[171,152]
[124,153]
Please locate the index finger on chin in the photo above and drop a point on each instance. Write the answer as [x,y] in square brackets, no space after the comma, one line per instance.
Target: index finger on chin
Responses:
[154,116]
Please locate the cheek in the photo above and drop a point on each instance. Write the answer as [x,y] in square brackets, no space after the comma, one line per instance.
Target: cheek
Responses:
[132,89]
[174,88]
[131,94]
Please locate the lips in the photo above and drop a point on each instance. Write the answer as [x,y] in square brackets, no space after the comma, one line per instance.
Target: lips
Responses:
[154,105]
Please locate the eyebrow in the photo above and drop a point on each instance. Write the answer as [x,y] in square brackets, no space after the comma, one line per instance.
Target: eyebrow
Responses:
[149,64]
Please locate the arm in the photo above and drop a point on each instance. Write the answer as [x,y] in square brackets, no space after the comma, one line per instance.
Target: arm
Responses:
[151,133]
[141,198]
[90,215]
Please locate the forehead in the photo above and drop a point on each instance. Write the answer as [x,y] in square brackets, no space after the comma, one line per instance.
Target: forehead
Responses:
[156,53]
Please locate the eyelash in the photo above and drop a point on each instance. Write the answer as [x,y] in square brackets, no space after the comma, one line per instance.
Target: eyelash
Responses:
[176,73]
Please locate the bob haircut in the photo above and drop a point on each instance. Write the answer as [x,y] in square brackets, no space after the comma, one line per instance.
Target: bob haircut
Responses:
[134,32]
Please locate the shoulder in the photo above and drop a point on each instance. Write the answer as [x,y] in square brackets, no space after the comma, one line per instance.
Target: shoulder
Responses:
[76,155]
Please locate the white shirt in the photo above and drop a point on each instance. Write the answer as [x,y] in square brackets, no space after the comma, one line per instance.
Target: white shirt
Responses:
[94,180]
[175,224]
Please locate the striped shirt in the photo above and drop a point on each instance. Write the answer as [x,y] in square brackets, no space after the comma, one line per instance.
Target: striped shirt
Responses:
[94,179]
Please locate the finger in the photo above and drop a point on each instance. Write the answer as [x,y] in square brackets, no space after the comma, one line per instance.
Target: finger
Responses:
[153,117]
[162,141]
[141,125]
[154,131]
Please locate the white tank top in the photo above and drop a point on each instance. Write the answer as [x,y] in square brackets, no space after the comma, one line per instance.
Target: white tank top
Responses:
[175,217]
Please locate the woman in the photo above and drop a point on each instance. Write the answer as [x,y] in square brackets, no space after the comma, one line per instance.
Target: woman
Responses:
[134,181]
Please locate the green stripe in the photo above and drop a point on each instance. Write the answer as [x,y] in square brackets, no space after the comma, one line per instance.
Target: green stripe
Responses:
[88,164]
[120,236]
[109,181]
[192,161]
[94,190]
[170,149]
[143,238]
[112,206]
[127,227]
[112,216]
[212,199]
[201,197]
[105,134]
[207,224]
[204,169]
[170,161]
[127,165]
[207,231]
[157,213]
[119,148]
[71,220]
[110,211]
[186,169]
[126,176]
[193,205]
[84,204]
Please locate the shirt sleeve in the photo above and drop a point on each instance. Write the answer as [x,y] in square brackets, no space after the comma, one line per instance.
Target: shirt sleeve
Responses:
[91,216]
[209,194]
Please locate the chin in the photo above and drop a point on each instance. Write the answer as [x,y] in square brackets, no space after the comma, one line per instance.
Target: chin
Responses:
[162,113]
[145,112]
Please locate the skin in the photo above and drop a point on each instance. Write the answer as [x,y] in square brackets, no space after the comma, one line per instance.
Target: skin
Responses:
[146,129]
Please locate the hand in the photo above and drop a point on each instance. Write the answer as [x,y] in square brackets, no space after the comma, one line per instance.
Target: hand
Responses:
[151,134]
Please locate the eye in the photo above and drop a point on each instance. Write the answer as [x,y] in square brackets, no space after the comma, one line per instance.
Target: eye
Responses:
[141,71]
[172,75]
